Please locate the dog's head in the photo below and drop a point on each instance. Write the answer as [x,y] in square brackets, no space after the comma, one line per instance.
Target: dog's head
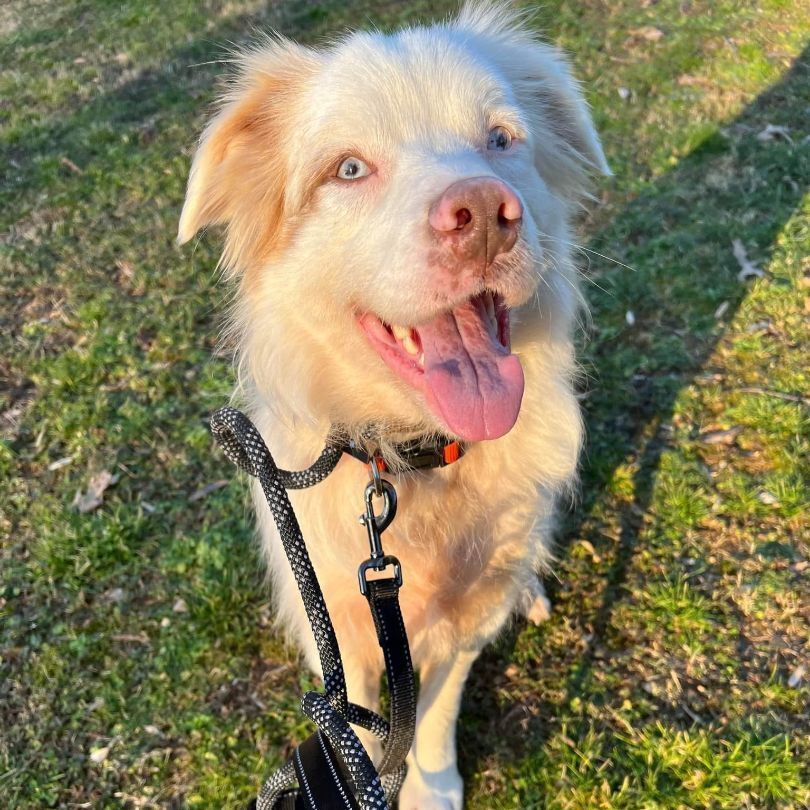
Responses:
[389,201]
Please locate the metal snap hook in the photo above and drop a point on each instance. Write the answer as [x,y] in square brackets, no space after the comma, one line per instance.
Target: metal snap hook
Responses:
[375,525]
[382,520]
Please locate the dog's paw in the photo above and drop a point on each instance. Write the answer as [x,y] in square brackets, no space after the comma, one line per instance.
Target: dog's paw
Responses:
[432,791]
[539,610]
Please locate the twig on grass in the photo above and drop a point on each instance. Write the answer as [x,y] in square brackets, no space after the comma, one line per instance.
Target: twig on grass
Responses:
[765,392]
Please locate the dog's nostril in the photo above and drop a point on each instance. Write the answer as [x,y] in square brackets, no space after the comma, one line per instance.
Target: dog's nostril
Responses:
[504,219]
[463,218]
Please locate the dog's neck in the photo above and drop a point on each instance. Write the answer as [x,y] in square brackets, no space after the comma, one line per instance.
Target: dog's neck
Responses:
[426,451]
[400,448]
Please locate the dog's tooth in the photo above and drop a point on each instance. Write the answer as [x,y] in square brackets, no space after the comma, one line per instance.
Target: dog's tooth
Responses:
[409,345]
[422,359]
[401,332]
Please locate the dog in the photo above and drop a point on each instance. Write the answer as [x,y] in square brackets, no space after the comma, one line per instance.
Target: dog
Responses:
[397,213]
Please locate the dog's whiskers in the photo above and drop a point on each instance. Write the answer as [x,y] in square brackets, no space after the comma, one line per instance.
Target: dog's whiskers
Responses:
[588,250]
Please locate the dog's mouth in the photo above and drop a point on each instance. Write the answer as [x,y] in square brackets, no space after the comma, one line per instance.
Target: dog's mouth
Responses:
[461,362]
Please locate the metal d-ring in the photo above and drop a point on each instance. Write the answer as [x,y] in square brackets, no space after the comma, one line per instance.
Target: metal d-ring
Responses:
[376,476]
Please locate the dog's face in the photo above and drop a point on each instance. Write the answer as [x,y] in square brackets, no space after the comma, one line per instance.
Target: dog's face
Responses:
[390,201]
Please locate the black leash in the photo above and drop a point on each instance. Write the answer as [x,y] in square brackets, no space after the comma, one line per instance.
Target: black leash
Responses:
[331,769]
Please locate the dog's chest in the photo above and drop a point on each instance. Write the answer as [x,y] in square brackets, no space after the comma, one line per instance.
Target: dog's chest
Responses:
[464,544]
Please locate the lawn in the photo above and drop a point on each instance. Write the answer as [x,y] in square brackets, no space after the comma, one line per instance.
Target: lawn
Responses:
[138,667]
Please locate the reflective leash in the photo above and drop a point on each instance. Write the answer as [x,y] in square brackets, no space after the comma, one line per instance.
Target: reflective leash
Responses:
[332,770]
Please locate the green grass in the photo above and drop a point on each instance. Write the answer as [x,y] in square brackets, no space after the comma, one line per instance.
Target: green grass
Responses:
[662,679]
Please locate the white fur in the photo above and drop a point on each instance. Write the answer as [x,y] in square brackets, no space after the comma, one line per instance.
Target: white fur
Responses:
[306,252]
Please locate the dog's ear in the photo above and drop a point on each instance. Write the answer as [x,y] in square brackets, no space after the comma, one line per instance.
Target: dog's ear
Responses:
[567,147]
[238,174]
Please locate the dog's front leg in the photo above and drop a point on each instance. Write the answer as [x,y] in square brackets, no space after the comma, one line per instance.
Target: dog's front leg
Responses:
[433,781]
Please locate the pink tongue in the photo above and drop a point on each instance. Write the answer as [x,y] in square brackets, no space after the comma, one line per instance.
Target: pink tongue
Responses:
[471,380]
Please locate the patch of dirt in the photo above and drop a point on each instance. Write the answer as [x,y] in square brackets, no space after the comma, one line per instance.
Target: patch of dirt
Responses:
[245,696]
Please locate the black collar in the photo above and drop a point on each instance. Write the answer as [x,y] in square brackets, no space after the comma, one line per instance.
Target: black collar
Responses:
[419,454]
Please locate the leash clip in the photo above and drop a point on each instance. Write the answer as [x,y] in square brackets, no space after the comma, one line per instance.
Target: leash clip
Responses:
[375,526]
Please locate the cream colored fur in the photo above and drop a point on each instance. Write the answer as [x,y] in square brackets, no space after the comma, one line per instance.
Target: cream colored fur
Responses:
[306,252]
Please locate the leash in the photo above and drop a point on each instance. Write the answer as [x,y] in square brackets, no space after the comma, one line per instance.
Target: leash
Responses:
[331,770]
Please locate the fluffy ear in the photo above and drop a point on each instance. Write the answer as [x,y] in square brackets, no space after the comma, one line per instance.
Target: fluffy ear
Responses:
[554,100]
[567,146]
[238,174]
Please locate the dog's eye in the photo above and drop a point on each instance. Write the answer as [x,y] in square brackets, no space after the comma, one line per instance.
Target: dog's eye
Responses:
[352,169]
[500,139]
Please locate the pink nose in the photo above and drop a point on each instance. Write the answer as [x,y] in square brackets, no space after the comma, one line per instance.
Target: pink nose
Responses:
[477,217]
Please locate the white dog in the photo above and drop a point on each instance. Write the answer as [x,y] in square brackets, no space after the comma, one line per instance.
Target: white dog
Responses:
[397,220]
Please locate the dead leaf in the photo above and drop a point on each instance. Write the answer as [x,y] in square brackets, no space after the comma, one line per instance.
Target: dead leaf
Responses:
[141,638]
[721,310]
[768,498]
[99,754]
[207,490]
[180,606]
[59,463]
[721,436]
[94,497]
[773,132]
[65,161]
[588,546]
[688,80]
[624,93]
[758,326]
[648,32]
[519,715]
[747,269]
[676,680]
[125,270]
[98,703]
[630,318]
[796,676]
[115,595]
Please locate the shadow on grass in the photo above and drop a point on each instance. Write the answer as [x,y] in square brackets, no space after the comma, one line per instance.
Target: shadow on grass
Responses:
[31,160]
[677,235]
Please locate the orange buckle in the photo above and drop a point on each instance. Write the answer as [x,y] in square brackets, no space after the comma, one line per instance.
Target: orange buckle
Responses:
[380,463]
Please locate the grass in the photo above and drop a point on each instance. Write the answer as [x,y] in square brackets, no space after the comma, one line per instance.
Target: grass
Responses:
[137,665]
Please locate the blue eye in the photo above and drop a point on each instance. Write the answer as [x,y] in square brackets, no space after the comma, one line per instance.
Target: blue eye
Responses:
[352,169]
[500,139]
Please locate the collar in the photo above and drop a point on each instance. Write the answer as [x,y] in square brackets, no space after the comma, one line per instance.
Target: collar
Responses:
[419,454]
